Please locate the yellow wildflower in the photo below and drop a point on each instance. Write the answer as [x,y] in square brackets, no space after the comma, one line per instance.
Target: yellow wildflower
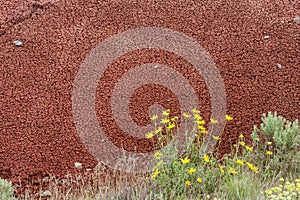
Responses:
[240,162]
[200,122]
[149,135]
[269,152]
[185,160]
[191,170]
[186,115]
[199,180]
[158,155]
[201,128]
[159,163]
[213,121]
[253,168]
[158,130]
[164,121]
[195,110]
[166,112]
[269,143]
[153,117]
[241,136]
[154,175]
[170,126]
[249,148]
[221,169]
[216,138]
[206,158]
[232,171]
[173,119]
[197,117]
[228,118]
[188,183]
[242,143]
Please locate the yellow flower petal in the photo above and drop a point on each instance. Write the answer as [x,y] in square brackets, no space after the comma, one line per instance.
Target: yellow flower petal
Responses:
[164,121]
[158,130]
[153,117]
[185,115]
[195,111]
[206,158]
[158,155]
[216,138]
[166,112]
[249,148]
[213,121]
[240,162]
[191,170]
[228,118]
[232,171]
[149,135]
[269,153]
[221,169]
[170,126]
[188,183]
[185,160]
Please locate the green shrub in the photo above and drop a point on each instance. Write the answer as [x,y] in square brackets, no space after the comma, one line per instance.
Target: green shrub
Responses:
[282,142]
[283,133]
[6,190]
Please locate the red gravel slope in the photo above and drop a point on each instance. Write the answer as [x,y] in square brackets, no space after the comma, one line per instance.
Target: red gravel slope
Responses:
[38,130]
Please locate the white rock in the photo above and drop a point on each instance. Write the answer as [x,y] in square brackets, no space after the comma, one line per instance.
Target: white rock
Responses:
[266,37]
[46,193]
[297,19]
[18,43]
[279,66]
[78,165]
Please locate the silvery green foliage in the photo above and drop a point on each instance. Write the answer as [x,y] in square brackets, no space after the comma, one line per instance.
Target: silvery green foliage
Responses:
[6,190]
[285,134]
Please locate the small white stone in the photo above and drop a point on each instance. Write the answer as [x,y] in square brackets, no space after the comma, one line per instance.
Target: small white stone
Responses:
[18,43]
[155,66]
[297,19]
[78,165]
[46,193]
[266,37]
[279,66]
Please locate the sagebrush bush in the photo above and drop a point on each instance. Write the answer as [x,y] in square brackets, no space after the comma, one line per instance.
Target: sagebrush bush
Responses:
[282,139]
[6,190]
[284,133]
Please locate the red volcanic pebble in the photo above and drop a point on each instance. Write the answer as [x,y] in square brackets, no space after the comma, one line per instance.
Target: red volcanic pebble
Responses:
[255,47]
